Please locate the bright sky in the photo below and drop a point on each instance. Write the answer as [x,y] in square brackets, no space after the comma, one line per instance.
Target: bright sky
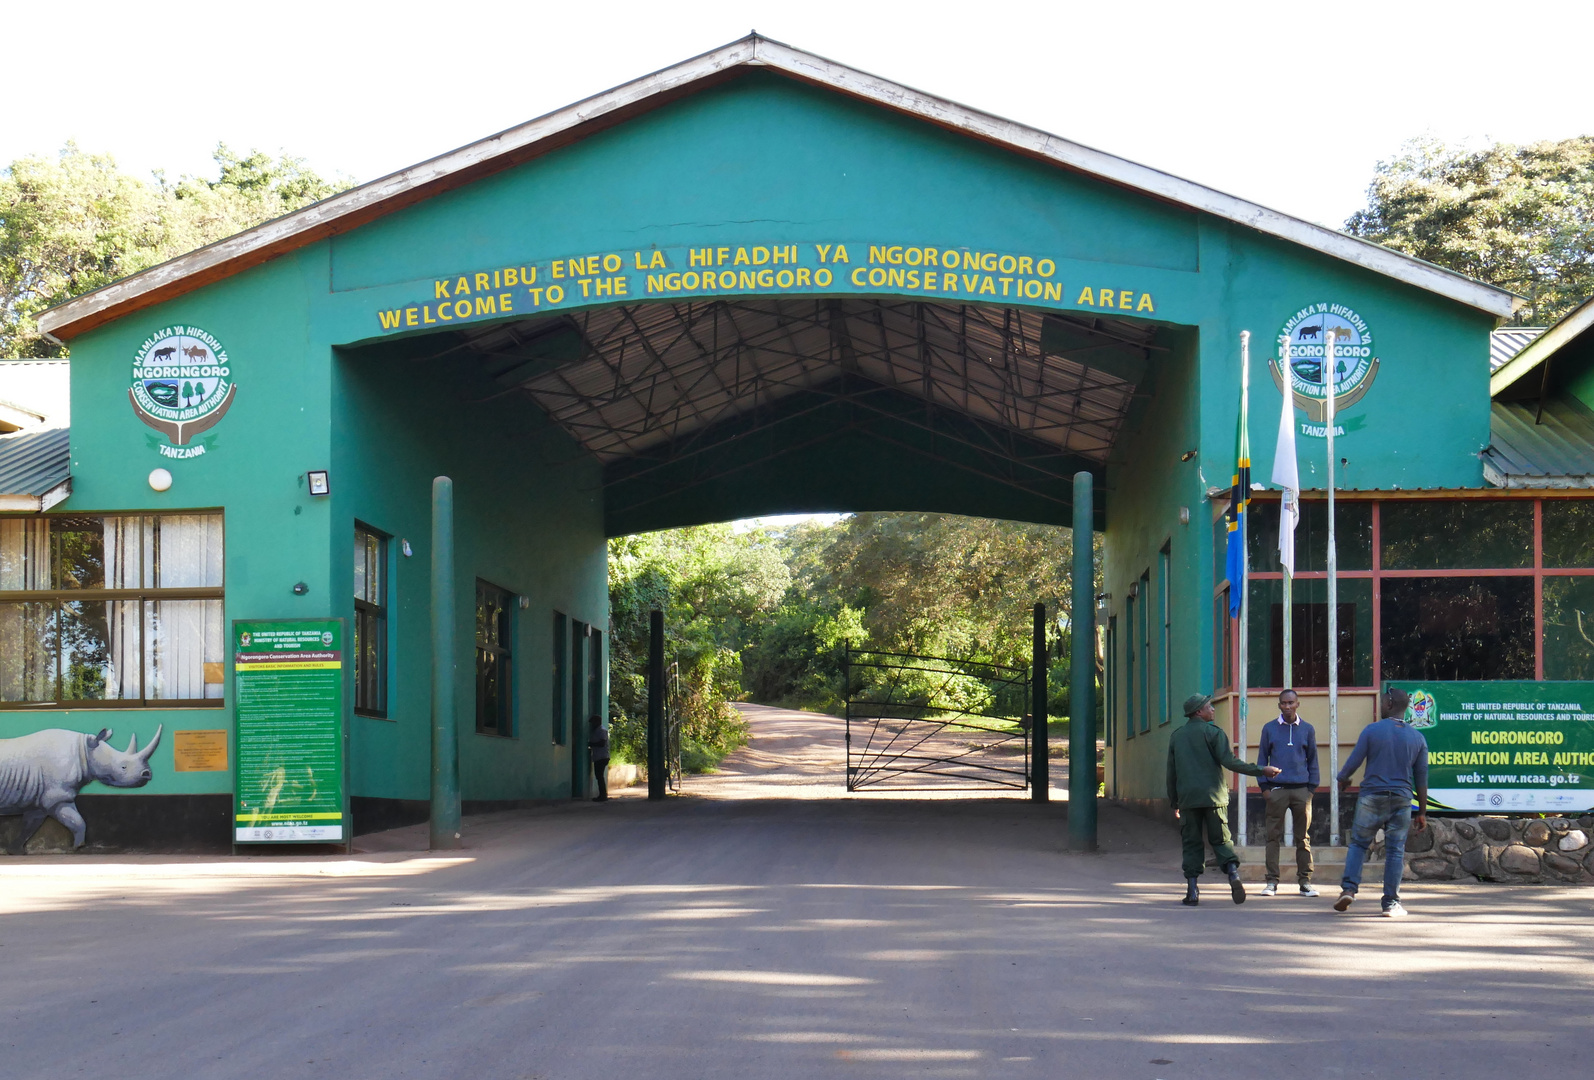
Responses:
[1290,104]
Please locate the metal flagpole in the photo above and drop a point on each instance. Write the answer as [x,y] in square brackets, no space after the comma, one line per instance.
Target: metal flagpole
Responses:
[1287,510]
[1243,676]
[1286,474]
[1332,382]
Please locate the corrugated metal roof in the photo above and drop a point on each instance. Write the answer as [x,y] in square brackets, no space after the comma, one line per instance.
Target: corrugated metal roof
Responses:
[1568,329]
[34,462]
[1507,342]
[643,375]
[1558,451]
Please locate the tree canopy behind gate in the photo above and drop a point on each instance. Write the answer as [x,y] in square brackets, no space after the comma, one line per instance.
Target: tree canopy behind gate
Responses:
[763,615]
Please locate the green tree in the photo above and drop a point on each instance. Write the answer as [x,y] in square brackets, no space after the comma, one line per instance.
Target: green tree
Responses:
[1520,217]
[75,222]
[712,584]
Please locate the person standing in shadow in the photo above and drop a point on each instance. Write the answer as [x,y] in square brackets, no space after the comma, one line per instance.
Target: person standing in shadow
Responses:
[598,750]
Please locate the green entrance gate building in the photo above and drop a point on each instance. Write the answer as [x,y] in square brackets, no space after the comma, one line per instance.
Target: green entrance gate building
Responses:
[756,282]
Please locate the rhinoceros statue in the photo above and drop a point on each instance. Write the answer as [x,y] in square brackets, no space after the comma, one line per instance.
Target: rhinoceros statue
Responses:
[42,773]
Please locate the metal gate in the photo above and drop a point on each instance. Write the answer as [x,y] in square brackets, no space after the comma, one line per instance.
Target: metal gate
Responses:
[919,723]
[672,728]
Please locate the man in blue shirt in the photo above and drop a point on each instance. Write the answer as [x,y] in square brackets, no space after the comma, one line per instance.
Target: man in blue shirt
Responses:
[1290,743]
[1397,761]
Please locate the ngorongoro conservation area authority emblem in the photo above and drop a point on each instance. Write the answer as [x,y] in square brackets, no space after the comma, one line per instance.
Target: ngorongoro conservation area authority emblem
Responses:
[182,385]
[1310,331]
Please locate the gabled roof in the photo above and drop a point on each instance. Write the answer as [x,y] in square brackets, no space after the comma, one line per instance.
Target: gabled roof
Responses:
[1566,330]
[1507,341]
[356,207]
[1534,447]
[35,468]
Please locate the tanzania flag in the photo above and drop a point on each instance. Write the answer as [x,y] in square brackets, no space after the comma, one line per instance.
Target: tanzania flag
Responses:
[1239,500]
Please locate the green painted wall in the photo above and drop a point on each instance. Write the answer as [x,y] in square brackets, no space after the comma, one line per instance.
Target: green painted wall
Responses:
[1147,485]
[278,427]
[528,518]
[759,163]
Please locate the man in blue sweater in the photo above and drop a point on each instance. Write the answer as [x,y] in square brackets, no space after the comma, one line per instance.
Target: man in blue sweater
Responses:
[1397,761]
[1290,743]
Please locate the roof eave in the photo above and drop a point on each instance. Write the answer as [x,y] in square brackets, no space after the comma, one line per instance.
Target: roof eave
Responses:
[1541,348]
[506,149]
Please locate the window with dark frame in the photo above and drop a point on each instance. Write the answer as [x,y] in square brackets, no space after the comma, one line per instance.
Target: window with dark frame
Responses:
[579,644]
[1165,645]
[1145,650]
[595,673]
[112,610]
[1129,665]
[1110,680]
[1429,588]
[494,661]
[561,652]
[370,621]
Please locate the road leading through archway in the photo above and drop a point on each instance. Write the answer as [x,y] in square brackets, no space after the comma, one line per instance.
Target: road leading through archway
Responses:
[803,755]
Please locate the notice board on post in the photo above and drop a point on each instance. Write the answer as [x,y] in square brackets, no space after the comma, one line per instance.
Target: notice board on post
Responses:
[289,686]
[1506,747]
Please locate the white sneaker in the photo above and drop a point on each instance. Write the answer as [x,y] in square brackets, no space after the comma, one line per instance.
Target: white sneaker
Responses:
[1307,890]
[1394,910]
[1270,889]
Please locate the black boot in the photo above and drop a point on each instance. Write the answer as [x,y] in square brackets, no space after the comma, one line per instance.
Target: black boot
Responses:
[1192,895]
[1236,886]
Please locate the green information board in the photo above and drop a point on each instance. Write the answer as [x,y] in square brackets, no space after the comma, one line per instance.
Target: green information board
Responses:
[1506,747]
[288,678]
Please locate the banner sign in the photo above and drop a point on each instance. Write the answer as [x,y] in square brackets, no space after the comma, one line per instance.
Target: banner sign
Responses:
[288,680]
[1506,747]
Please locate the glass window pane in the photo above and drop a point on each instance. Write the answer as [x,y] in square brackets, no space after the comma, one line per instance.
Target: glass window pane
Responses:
[1568,626]
[27,651]
[1569,533]
[99,650]
[359,565]
[557,713]
[183,649]
[376,569]
[1353,536]
[1457,534]
[24,553]
[78,544]
[1458,628]
[1220,554]
[187,551]
[595,682]
[1223,640]
[1309,633]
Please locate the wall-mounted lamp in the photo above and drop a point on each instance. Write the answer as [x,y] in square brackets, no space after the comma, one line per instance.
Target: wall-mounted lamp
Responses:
[319,484]
[300,589]
[404,545]
[160,479]
[525,603]
[1184,515]
[1188,454]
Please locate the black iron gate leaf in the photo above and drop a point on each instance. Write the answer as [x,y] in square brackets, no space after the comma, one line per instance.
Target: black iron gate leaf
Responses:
[922,723]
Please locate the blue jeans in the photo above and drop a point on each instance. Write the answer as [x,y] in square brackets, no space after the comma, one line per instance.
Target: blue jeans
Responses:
[1392,813]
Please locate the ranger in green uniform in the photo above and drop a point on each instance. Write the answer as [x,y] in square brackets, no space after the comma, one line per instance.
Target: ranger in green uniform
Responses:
[1198,753]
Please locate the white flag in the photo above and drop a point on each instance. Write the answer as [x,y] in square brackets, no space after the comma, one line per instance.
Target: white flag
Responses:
[1285,472]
